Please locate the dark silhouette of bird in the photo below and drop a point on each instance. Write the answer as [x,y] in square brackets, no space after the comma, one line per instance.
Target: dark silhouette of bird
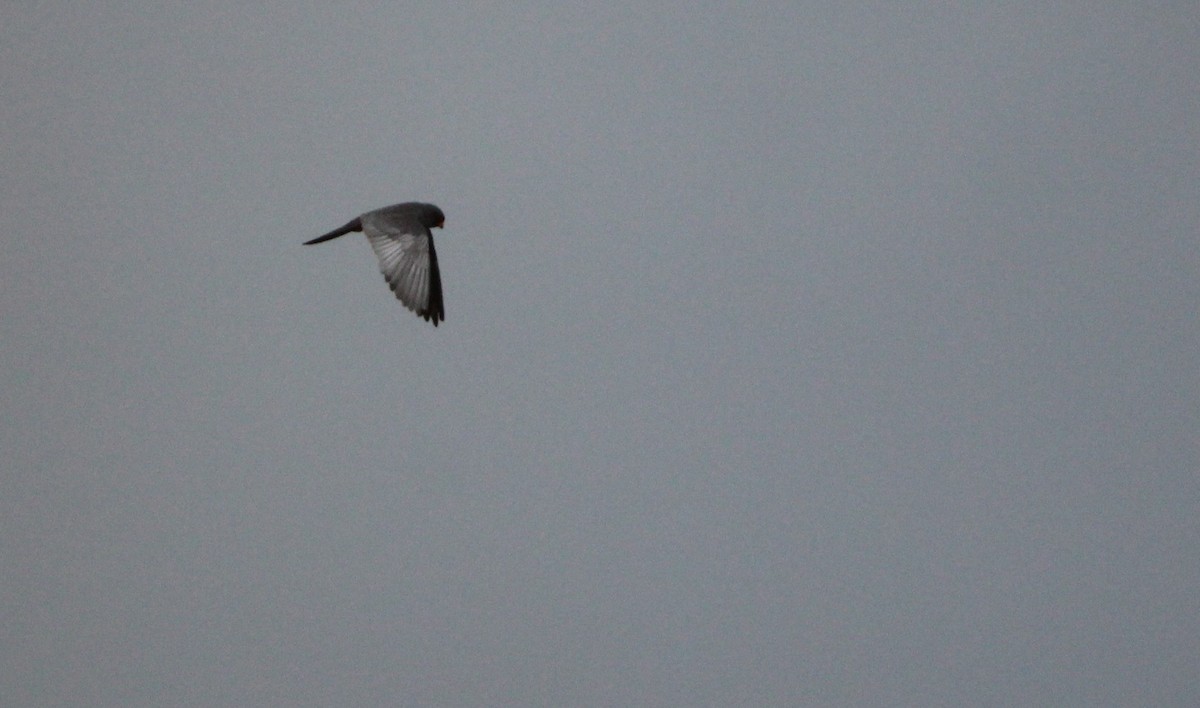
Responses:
[401,237]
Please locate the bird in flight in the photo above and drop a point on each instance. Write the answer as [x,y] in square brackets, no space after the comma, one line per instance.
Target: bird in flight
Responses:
[400,236]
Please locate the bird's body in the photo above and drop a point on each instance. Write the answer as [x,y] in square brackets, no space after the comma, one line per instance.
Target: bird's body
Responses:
[401,237]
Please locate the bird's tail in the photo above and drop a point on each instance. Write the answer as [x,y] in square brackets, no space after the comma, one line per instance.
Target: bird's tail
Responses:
[355,225]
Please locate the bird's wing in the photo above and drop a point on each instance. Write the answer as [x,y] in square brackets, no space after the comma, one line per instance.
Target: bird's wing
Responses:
[408,262]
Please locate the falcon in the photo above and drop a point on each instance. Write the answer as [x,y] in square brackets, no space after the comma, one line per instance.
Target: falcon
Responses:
[400,235]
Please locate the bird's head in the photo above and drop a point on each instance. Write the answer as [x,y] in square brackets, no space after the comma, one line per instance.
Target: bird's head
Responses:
[432,217]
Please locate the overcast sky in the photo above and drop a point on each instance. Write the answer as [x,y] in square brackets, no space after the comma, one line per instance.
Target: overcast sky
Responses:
[794,354]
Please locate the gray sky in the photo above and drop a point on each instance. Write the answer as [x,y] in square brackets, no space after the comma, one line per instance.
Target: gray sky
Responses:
[829,354]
